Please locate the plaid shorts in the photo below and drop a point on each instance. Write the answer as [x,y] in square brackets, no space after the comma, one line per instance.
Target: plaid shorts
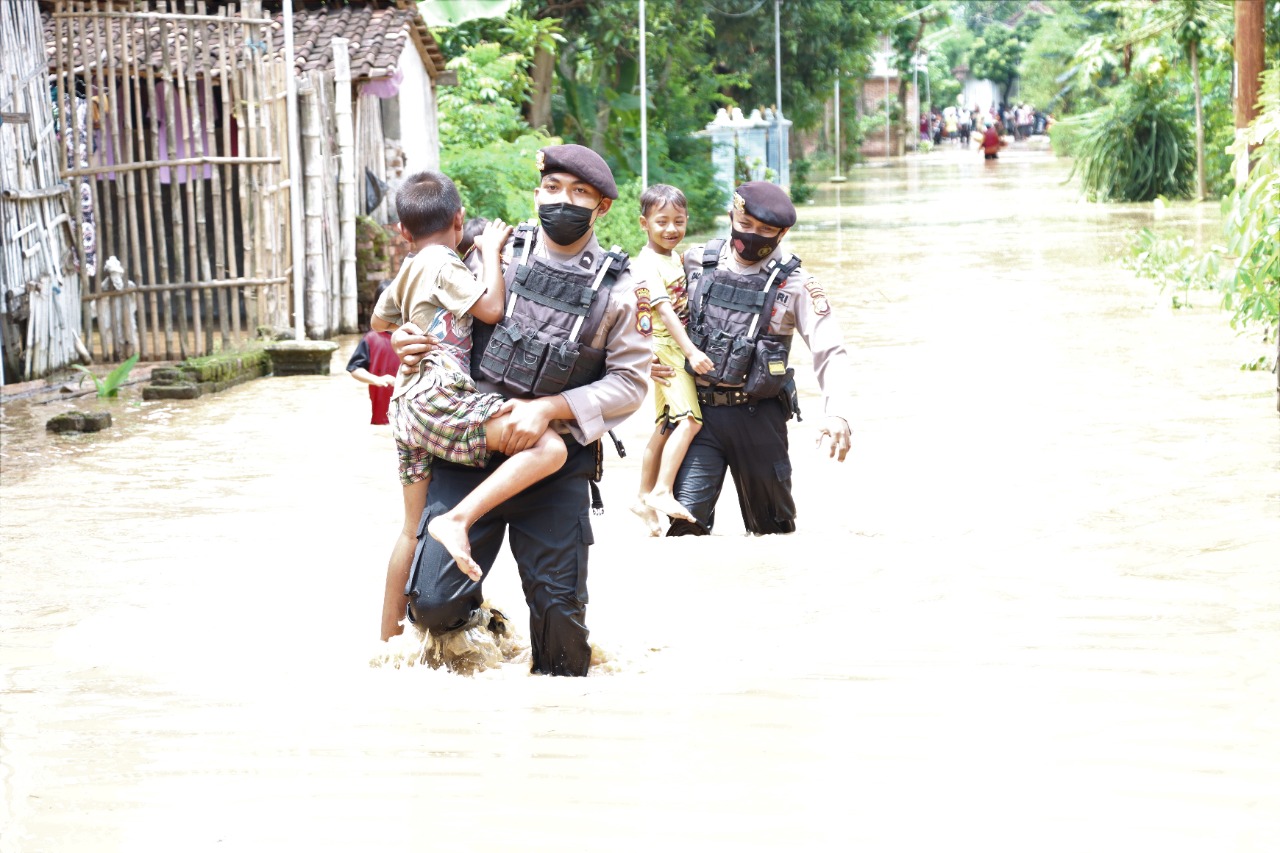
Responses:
[442,418]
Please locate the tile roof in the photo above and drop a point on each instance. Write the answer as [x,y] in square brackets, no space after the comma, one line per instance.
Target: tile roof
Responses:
[377,33]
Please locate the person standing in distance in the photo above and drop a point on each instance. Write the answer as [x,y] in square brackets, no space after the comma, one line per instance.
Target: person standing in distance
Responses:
[747,299]
[572,353]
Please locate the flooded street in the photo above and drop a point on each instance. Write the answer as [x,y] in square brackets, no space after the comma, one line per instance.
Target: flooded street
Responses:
[1037,609]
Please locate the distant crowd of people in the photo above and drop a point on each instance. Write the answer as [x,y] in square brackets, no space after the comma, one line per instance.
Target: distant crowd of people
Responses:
[961,126]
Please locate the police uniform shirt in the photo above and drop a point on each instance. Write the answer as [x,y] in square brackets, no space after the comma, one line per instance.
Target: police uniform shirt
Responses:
[801,306]
[622,334]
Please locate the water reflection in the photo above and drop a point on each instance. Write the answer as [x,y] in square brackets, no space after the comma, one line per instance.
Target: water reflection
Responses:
[1040,589]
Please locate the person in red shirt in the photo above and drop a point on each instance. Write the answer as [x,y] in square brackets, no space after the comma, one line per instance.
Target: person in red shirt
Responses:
[991,142]
[375,364]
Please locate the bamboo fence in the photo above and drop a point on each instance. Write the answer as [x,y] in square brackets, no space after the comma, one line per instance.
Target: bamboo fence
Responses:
[39,287]
[174,120]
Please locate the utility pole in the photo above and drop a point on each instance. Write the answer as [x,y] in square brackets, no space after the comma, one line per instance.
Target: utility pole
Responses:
[1250,39]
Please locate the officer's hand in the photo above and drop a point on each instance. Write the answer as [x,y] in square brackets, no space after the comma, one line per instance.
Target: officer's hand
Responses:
[836,431]
[700,363]
[410,344]
[526,421]
[660,373]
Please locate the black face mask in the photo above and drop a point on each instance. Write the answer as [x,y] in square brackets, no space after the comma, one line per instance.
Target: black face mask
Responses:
[753,247]
[565,223]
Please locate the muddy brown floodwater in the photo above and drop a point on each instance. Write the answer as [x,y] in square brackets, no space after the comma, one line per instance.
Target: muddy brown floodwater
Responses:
[1037,609]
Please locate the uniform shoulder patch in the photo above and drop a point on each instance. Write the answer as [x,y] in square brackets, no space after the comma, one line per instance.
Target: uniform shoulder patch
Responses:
[818,296]
[644,311]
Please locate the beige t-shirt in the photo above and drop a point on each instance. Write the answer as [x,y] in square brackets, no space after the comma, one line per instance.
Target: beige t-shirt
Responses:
[435,292]
[664,276]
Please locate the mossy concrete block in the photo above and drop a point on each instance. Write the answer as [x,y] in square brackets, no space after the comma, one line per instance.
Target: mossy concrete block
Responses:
[79,422]
[177,391]
[65,422]
[165,375]
[301,358]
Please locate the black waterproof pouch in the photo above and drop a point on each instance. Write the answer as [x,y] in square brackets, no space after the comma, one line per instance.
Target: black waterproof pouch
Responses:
[526,363]
[769,372]
[588,368]
[738,363]
[556,369]
[698,337]
[500,350]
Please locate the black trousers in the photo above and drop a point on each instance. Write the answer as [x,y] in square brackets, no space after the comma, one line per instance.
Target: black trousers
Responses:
[750,441]
[550,530]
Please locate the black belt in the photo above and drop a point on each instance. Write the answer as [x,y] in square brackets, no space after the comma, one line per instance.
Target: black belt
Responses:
[722,397]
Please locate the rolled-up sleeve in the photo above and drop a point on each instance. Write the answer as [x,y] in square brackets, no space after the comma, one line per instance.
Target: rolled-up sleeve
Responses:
[821,333]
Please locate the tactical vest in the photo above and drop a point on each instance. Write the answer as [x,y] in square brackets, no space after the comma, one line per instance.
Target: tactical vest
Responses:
[540,346]
[729,321]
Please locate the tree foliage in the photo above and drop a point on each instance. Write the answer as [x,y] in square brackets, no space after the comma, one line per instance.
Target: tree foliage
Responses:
[1136,148]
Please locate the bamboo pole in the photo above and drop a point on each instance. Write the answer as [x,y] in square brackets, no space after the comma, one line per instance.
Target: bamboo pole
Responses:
[346,182]
[121,75]
[292,140]
[111,133]
[164,234]
[103,231]
[68,114]
[230,283]
[194,196]
[145,300]
[329,203]
[175,201]
[316,296]
[210,236]
[227,299]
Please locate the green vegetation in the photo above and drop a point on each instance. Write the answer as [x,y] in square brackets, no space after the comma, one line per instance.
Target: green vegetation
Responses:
[109,386]
[1135,149]
[1245,270]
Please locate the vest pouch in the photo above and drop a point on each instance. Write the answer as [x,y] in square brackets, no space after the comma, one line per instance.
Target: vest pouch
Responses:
[500,350]
[698,337]
[769,372]
[526,362]
[738,364]
[556,369]
[588,368]
[715,345]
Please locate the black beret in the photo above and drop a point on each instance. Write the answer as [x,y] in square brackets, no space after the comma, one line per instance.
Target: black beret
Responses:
[580,162]
[767,202]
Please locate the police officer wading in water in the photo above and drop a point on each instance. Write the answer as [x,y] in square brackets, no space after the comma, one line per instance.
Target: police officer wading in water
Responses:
[747,299]
[572,352]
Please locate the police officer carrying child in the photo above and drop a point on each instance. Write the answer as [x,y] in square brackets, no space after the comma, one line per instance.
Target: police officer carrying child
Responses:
[747,299]
[572,353]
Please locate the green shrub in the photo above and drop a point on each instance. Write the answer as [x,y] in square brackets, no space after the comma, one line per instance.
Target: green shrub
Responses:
[496,180]
[1136,148]
[621,225]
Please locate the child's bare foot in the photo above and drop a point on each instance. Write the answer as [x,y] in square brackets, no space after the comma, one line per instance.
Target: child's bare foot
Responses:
[452,534]
[666,503]
[649,516]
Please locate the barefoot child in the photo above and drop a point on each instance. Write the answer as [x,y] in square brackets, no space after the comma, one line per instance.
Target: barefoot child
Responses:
[664,215]
[436,410]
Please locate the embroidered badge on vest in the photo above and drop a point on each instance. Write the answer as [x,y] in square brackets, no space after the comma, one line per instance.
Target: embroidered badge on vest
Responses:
[644,311]
[819,297]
